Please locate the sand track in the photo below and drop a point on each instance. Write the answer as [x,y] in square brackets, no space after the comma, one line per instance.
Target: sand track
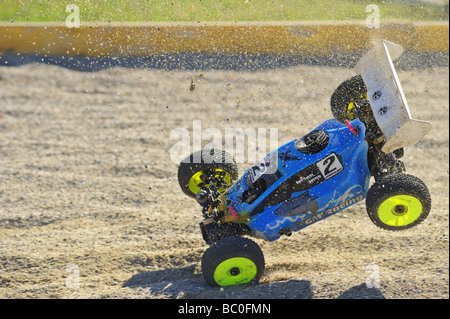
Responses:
[87,186]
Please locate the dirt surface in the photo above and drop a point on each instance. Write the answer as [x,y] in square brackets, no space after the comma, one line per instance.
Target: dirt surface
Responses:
[90,206]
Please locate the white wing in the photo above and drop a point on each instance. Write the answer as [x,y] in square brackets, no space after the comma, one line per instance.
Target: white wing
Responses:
[386,96]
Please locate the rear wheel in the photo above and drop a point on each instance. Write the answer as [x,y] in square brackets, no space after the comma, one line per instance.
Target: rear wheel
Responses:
[398,202]
[233,261]
[206,167]
[346,94]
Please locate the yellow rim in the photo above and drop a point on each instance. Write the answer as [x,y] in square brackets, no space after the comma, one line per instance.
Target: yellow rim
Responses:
[350,107]
[235,271]
[400,210]
[196,180]
[350,115]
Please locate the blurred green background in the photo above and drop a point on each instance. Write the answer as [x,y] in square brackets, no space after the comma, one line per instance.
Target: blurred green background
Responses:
[219,10]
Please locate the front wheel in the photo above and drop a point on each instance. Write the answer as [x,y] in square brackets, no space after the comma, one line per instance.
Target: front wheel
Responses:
[207,166]
[398,202]
[233,261]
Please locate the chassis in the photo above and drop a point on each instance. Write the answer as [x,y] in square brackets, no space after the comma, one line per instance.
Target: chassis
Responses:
[314,176]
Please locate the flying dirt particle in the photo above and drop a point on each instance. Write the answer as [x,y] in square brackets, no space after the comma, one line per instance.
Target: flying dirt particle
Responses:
[192,88]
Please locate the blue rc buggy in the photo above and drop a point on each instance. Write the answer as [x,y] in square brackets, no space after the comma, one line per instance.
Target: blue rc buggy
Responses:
[312,177]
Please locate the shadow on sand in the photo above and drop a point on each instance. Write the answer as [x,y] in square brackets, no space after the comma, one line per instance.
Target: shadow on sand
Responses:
[186,282]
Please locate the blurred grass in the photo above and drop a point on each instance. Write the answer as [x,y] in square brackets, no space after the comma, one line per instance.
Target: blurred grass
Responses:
[215,10]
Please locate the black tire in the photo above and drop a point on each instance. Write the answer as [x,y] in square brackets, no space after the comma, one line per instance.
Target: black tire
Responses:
[398,202]
[233,261]
[351,90]
[206,160]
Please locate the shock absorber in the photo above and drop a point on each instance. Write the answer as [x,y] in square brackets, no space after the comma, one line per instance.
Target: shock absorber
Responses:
[396,165]
[210,231]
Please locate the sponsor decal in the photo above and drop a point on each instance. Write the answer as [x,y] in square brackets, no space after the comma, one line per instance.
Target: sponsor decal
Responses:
[331,211]
[313,175]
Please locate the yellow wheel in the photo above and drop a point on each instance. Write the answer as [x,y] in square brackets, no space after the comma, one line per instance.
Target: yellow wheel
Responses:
[233,261]
[398,202]
[400,210]
[206,167]
[222,180]
[235,271]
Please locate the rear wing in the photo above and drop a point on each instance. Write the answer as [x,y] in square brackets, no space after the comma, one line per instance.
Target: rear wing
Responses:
[387,99]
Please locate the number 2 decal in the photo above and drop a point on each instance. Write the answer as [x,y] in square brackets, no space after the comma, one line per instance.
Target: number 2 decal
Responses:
[330,166]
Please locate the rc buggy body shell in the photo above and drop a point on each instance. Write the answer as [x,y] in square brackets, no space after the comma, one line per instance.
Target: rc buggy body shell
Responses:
[299,188]
[313,177]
